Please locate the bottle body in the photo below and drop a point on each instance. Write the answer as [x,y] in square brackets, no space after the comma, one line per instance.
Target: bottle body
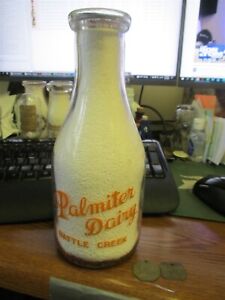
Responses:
[28,116]
[98,159]
[58,107]
[98,193]
[36,89]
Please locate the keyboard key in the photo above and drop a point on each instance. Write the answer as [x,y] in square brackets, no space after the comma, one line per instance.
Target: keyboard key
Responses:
[27,172]
[44,161]
[38,170]
[43,155]
[158,171]
[152,146]
[154,164]
[2,173]
[154,158]
[8,161]
[45,173]
[12,172]
[33,160]
[26,168]
[48,167]
[21,161]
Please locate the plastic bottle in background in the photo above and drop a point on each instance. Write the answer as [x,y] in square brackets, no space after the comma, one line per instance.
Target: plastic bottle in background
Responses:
[197,140]
[184,120]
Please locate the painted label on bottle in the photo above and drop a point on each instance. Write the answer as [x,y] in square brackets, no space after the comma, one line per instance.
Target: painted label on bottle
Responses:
[28,118]
[98,217]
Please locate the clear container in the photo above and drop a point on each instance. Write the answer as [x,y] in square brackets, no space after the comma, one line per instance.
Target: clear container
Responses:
[197,140]
[184,119]
[58,106]
[99,159]
[28,116]
[36,88]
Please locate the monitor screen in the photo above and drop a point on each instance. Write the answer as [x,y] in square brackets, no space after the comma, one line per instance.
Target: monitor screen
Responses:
[203,48]
[37,42]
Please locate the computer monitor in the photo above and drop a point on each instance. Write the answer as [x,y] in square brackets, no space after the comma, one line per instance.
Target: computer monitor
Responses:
[203,47]
[37,43]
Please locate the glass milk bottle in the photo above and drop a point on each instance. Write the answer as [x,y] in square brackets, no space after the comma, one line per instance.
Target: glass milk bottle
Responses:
[58,106]
[37,89]
[98,155]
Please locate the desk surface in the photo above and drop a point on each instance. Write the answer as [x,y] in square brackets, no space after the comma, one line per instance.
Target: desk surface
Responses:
[28,258]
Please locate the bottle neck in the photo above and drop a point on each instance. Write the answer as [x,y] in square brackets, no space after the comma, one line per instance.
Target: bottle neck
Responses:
[58,97]
[100,59]
[34,89]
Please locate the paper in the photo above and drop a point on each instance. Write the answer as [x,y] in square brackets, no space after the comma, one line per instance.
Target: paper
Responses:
[6,108]
[209,123]
[217,146]
[223,160]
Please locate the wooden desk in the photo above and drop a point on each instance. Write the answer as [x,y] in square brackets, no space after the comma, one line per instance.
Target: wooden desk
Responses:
[28,258]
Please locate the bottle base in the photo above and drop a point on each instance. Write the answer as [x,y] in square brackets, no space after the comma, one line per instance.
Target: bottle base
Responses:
[94,264]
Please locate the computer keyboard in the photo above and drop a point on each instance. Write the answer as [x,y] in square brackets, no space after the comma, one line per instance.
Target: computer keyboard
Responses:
[25,159]
[26,184]
[25,180]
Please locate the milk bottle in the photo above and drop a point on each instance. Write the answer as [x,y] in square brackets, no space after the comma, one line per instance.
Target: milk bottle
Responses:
[58,107]
[98,155]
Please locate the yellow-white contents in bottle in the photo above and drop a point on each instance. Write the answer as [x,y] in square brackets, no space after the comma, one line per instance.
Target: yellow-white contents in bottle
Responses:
[58,109]
[98,163]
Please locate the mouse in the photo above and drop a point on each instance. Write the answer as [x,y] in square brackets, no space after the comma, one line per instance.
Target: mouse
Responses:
[211,190]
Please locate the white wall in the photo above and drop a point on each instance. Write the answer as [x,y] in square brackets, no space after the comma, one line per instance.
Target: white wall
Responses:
[163,98]
[3,87]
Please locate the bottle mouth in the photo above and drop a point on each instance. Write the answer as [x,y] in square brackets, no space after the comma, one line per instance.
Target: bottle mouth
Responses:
[60,86]
[34,82]
[99,17]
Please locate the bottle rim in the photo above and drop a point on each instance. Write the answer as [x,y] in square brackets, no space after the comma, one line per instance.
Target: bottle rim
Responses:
[59,86]
[34,82]
[95,17]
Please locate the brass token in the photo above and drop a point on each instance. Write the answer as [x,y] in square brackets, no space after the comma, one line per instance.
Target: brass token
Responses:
[146,271]
[180,154]
[173,271]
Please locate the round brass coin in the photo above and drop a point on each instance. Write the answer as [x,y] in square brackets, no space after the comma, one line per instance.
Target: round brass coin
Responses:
[173,271]
[146,271]
[180,154]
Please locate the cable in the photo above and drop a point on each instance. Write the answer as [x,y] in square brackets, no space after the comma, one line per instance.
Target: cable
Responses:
[152,109]
[140,96]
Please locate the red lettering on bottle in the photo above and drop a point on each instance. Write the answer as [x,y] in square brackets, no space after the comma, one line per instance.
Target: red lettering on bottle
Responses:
[62,203]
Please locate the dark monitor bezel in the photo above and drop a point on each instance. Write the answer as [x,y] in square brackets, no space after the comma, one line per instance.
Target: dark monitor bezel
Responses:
[135,79]
[195,82]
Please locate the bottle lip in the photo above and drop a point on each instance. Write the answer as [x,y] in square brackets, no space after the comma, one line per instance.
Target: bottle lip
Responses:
[60,86]
[103,17]
[34,82]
